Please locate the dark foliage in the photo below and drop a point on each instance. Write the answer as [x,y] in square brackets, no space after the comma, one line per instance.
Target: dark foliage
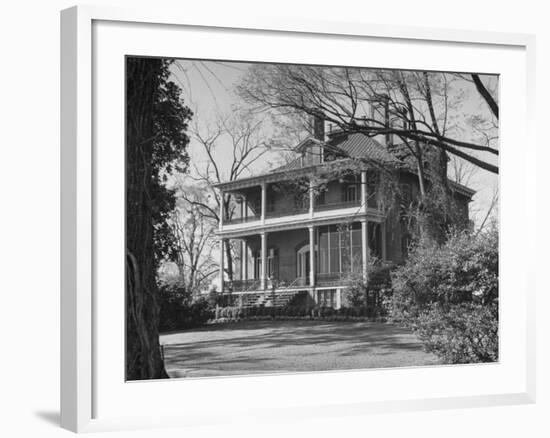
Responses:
[235,313]
[461,333]
[156,121]
[449,294]
[178,311]
[376,294]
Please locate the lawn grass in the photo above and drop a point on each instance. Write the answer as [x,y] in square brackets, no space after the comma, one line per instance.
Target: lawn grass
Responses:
[267,347]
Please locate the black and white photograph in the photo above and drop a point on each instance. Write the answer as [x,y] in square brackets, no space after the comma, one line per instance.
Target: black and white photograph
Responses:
[292,218]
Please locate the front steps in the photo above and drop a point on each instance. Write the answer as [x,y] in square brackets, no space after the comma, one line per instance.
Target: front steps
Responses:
[267,299]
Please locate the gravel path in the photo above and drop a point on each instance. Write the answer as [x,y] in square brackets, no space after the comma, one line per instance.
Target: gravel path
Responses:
[290,346]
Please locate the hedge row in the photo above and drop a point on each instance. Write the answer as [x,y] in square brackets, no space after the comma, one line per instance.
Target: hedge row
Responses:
[226,314]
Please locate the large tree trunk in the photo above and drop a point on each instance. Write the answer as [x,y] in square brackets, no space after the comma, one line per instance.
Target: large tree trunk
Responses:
[143,358]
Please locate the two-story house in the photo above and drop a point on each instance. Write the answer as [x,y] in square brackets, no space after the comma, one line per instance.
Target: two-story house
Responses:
[292,241]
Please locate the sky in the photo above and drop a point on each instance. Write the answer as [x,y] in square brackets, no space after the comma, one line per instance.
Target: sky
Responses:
[209,90]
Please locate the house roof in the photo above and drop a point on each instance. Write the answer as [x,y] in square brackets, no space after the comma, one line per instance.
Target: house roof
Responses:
[350,145]
[354,145]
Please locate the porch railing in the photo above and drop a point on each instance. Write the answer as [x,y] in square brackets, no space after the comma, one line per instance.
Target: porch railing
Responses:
[241,285]
[331,278]
[242,220]
[336,205]
[321,279]
[272,212]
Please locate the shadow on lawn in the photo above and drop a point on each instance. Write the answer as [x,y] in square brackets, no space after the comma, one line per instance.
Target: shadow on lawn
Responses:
[253,340]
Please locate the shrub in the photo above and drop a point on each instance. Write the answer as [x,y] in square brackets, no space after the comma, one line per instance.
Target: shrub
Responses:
[449,294]
[178,310]
[464,269]
[461,333]
[376,294]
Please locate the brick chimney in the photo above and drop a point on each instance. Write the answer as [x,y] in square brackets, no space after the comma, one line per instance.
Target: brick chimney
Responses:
[319,127]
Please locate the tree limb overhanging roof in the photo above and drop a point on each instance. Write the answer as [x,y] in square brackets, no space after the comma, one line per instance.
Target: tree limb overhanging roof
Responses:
[350,145]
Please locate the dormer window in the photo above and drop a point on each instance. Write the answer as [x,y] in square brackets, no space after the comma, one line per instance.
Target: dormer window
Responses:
[331,154]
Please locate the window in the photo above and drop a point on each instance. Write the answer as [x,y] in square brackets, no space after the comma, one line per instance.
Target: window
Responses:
[375,239]
[356,248]
[372,188]
[302,263]
[329,260]
[257,265]
[320,198]
[272,263]
[351,194]
[334,249]
[323,254]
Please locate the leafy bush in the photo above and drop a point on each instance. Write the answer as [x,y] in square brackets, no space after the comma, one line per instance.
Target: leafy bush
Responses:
[178,311]
[376,295]
[461,333]
[449,294]
[291,312]
[464,269]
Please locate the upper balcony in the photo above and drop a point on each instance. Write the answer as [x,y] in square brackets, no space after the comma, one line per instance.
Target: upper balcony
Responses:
[269,204]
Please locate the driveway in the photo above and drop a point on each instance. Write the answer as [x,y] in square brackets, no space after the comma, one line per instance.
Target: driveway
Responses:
[268,347]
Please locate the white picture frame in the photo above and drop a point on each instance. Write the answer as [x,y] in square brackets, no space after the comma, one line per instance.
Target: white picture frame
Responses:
[84,386]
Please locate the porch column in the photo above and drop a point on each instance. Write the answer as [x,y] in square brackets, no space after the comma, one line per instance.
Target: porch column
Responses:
[244,260]
[263,270]
[311,199]
[222,254]
[364,193]
[221,210]
[364,247]
[264,198]
[312,256]
[241,259]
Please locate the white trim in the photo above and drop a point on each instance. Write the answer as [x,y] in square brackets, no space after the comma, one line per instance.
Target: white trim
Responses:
[290,222]
[77,342]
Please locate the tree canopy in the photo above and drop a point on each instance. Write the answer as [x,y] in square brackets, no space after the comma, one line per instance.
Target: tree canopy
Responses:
[411,105]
